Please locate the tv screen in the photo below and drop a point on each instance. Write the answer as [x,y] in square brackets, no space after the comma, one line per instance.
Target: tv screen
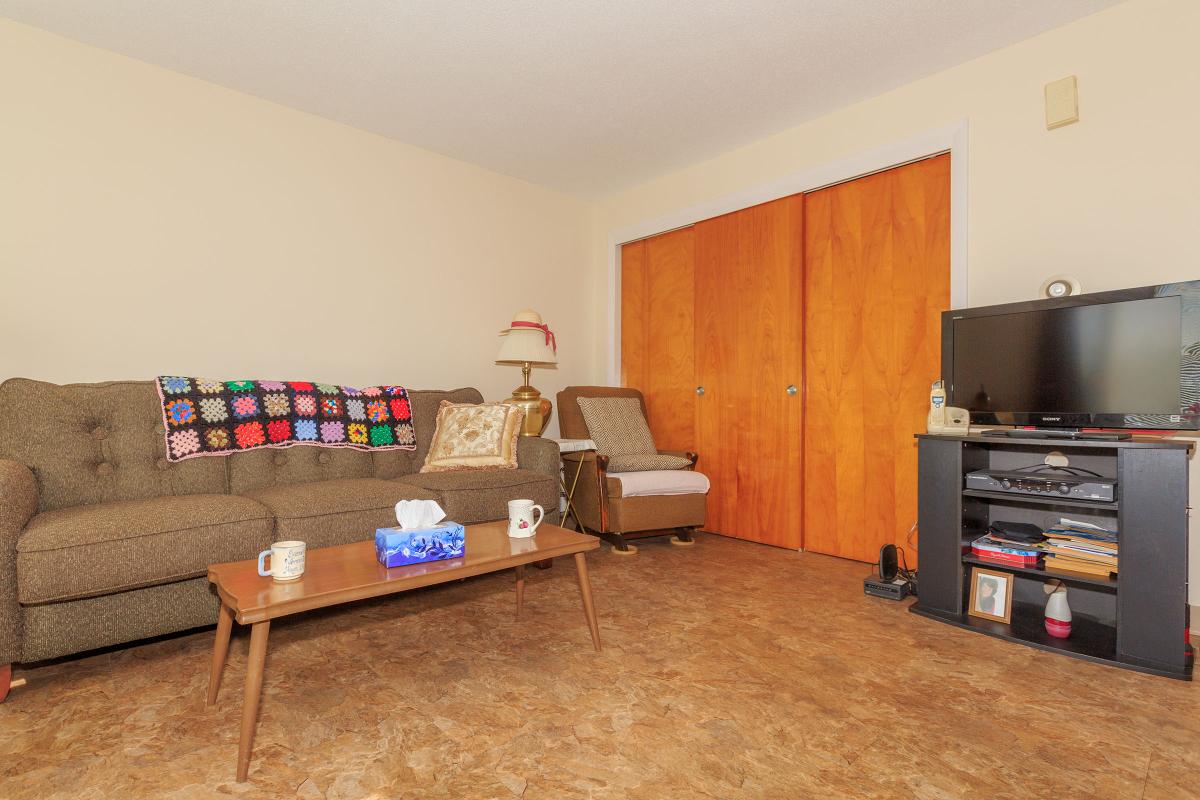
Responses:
[1117,359]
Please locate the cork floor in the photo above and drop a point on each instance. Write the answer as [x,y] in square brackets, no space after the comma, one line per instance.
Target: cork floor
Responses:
[730,670]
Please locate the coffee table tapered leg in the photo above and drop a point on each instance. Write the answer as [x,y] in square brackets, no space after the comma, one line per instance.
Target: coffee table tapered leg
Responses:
[254,679]
[520,588]
[585,589]
[220,650]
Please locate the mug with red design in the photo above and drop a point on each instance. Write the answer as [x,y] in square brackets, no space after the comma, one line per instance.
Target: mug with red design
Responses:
[521,522]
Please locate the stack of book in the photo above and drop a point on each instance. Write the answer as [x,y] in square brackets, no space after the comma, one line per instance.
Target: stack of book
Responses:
[1081,548]
[1013,544]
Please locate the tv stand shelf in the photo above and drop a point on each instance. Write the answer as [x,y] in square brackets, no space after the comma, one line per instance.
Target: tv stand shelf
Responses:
[1089,640]
[1039,500]
[1136,620]
[1041,573]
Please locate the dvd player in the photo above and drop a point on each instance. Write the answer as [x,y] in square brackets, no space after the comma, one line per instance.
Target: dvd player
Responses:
[1060,484]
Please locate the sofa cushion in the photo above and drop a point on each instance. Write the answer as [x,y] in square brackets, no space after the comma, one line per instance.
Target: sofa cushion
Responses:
[96,443]
[265,469]
[483,495]
[58,629]
[110,547]
[327,513]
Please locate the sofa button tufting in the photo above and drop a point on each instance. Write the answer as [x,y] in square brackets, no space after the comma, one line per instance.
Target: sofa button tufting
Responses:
[99,433]
[280,459]
[162,463]
[104,468]
[323,458]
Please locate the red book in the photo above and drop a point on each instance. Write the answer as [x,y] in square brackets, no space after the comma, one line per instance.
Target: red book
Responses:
[1006,558]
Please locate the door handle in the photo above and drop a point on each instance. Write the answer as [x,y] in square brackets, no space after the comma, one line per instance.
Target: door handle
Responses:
[699,390]
[791,389]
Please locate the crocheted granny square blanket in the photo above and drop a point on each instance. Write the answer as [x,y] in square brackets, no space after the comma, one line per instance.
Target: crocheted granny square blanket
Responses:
[205,417]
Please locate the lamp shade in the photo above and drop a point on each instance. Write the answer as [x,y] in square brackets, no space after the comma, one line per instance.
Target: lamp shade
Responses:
[521,346]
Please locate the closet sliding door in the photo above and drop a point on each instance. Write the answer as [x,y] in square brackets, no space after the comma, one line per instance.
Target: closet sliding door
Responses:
[749,343]
[658,333]
[792,344]
[877,277]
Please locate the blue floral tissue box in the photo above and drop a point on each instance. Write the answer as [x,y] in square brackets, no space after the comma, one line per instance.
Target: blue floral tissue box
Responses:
[396,547]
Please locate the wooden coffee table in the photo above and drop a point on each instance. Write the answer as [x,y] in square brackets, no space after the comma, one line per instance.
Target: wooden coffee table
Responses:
[336,575]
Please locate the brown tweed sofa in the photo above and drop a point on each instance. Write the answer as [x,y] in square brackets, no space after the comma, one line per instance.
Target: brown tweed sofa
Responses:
[103,541]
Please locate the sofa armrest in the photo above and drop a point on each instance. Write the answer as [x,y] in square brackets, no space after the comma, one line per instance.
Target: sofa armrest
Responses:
[590,499]
[538,454]
[18,504]
[688,454]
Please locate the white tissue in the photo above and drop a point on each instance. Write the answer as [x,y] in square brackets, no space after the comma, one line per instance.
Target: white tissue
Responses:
[418,514]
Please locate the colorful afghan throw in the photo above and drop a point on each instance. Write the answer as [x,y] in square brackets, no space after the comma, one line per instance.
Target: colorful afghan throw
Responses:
[211,418]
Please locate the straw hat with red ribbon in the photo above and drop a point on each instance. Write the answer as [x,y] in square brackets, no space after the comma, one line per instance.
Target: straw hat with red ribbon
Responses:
[529,319]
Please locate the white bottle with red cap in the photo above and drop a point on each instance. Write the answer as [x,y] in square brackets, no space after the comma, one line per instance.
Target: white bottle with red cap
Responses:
[1058,612]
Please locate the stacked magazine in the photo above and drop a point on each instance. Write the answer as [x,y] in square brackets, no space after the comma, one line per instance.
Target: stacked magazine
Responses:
[1081,548]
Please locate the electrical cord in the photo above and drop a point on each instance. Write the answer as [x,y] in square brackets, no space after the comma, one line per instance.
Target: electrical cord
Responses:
[904,571]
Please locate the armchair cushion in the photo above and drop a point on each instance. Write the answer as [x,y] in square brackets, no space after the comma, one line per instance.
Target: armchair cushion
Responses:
[643,462]
[618,427]
[659,482]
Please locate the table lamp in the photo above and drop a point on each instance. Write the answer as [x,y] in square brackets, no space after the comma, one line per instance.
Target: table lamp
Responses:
[528,343]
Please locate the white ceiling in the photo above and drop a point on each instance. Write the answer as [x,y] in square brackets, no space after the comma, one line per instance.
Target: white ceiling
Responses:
[585,96]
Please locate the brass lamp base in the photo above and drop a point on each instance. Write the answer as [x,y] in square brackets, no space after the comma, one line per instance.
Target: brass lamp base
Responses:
[537,409]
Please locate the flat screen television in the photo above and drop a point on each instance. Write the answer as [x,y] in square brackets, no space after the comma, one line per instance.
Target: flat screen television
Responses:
[1123,359]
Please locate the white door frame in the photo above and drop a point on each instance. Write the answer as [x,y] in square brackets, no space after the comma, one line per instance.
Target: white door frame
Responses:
[951,139]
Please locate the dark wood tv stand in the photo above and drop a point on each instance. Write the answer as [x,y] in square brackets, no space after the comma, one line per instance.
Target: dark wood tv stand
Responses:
[1139,619]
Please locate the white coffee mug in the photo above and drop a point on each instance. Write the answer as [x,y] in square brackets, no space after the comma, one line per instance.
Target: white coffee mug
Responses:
[521,522]
[287,561]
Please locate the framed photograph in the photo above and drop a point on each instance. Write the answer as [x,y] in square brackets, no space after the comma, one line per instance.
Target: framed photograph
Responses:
[991,594]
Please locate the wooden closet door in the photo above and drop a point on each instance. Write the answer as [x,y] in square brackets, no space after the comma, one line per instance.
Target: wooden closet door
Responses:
[633,314]
[718,410]
[877,270]
[658,333]
[749,338]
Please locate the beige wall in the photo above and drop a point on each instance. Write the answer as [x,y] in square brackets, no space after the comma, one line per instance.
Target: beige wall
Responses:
[1112,200]
[152,223]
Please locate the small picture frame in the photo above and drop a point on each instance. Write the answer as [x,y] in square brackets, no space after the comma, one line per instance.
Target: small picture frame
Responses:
[991,594]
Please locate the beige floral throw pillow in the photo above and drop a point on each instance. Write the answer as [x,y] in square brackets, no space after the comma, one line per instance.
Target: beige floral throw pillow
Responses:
[474,436]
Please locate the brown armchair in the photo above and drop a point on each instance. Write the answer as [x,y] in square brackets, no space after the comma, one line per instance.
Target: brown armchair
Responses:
[602,503]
